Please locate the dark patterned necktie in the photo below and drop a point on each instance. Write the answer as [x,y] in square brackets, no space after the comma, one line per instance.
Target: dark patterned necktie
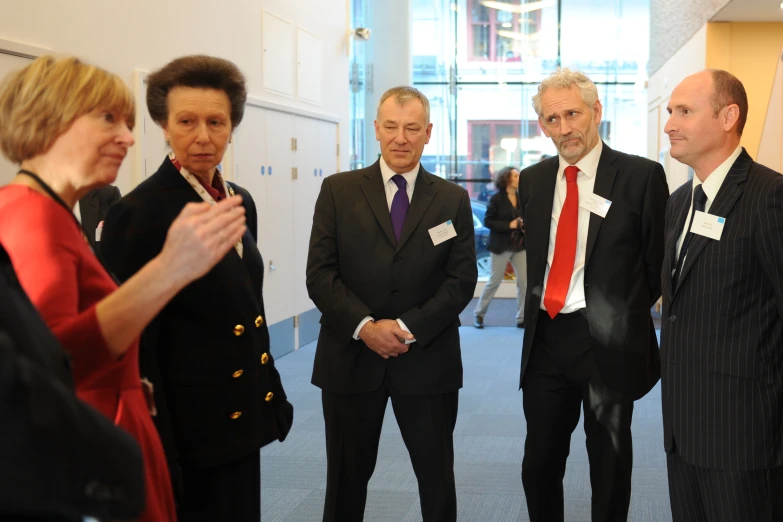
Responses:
[399,206]
[699,201]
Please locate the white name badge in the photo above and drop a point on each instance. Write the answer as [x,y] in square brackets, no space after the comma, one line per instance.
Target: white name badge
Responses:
[442,232]
[596,204]
[708,225]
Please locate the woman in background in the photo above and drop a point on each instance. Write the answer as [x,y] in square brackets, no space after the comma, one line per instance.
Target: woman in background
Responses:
[68,126]
[220,398]
[506,244]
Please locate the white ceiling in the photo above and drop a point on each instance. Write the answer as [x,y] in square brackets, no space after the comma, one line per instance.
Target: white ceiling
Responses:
[750,11]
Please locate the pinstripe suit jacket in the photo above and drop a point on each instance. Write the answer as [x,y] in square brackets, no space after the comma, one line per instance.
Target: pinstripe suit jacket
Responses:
[722,327]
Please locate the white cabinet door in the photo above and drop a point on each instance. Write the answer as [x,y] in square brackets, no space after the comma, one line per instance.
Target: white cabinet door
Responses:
[249,165]
[278,227]
[305,193]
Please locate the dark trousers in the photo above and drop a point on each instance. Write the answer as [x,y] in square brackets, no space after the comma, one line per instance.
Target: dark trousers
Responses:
[559,379]
[353,432]
[712,495]
[231,492]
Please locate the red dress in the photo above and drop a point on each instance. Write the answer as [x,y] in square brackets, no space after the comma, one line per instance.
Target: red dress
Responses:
[65,281]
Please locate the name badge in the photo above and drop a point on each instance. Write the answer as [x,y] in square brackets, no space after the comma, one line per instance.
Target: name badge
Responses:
[596,204]
[708,225]
[442,232]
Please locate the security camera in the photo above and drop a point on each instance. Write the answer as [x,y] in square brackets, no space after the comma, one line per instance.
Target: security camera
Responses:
[361,33]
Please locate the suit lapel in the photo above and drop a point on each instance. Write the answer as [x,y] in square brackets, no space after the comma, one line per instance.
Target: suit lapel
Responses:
[88,208]
[422,197]
[727,197]
[538,213]
[680,214]
[375,193]
[604,180]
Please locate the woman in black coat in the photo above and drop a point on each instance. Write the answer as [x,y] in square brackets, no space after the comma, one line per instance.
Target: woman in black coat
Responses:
[219,397]
[506,244]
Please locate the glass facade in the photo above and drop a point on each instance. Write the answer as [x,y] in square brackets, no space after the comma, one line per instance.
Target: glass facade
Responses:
[480,62]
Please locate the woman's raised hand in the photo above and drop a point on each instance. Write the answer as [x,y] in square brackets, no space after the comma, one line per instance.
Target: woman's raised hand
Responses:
[201,236]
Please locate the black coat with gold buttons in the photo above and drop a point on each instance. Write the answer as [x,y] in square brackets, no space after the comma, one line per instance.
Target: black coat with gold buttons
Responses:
[217,392]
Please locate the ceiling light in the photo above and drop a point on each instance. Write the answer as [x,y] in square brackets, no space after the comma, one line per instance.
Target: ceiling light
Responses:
[516,8]
[507,24]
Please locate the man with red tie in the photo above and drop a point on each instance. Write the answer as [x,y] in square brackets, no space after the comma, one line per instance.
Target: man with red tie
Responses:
[594,223]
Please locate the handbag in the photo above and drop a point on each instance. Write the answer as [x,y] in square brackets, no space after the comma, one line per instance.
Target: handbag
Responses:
[516,242]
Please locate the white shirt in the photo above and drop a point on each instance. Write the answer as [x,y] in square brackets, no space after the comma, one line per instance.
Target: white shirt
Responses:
[585,181]
[391,190]
[711,186]
[77,211]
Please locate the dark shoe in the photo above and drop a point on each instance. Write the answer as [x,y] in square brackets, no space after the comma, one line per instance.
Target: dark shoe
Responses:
[478,322]
[521,325]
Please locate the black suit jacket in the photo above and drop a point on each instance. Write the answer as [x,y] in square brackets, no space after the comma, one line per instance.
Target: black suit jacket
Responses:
[207,352]
[499,214]
[622,269]
[356,268]
[60,457]
[722,327]
[93,209]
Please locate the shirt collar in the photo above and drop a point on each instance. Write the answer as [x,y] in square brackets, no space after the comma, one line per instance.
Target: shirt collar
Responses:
[712,184]
[587,165]
[388,173]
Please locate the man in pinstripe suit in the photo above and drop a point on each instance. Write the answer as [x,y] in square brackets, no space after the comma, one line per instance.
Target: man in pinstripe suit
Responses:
[722,331]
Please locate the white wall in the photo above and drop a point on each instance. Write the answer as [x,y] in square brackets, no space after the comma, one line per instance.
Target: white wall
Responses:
[689,59]
[146,34]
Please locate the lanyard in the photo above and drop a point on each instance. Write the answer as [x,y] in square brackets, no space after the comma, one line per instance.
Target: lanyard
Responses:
[56,197]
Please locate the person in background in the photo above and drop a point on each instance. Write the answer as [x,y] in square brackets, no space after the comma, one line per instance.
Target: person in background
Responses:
[506,244]
[91,210]
[62,459]
[218,393]
[392,263]
[68,125]
[722,321]
[594,240]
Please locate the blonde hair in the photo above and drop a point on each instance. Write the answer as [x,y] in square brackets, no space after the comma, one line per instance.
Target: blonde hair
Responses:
[41,101]
[403,94]
[564,78]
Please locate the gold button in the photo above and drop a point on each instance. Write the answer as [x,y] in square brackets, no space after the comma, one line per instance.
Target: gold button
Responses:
[259,321]
[238,374]
[239,330]
[236,415]
[269,397]
[265,358]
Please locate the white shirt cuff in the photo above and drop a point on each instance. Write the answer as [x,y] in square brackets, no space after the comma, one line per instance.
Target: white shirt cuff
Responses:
[359,328]
[402,325]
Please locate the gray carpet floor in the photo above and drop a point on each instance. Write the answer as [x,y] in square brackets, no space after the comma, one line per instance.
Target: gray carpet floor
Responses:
[488,439]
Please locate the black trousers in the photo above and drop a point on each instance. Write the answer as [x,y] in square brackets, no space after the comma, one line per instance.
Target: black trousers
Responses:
[712,495]
[228,493]
[353,432]
[560,378]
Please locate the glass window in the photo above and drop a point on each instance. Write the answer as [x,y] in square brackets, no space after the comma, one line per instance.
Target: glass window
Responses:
[480,62]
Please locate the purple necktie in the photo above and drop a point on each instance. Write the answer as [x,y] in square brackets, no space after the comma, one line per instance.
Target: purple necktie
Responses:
[399,206]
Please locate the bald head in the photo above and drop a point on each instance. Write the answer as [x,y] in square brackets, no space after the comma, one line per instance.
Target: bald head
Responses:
[724,90]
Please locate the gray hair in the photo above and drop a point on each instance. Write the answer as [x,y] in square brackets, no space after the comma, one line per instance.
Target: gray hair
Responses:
[403,94]
[564,78]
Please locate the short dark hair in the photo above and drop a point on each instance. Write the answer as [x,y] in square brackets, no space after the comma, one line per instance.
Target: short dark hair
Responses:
[200,71]
[729,90]
[501,180]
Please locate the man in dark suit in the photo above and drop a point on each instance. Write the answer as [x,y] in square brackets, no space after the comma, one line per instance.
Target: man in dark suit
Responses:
[61,459]
[93,209]
[594,235]
[392,263]
[722,327]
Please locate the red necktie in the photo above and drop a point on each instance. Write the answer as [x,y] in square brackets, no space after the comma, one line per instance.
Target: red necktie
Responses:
[565,247]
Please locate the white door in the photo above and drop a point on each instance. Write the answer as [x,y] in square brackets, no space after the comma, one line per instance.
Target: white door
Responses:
[305,193]
[249,166]
[279,223]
